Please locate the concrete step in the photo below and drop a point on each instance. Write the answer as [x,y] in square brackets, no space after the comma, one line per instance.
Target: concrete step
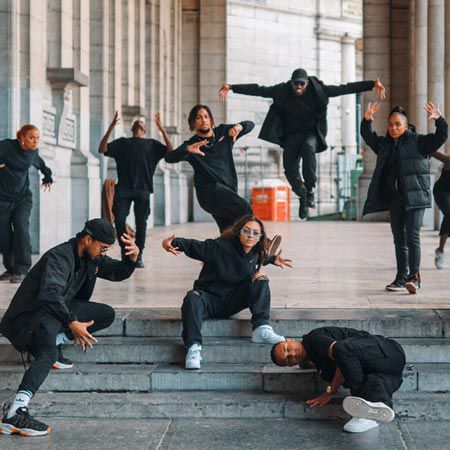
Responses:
[116,349]
[159,322]
[214,404]
[219,377]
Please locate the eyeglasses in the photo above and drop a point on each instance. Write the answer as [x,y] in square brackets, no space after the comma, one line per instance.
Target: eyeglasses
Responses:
[102,248]
[250,233]
[299,83]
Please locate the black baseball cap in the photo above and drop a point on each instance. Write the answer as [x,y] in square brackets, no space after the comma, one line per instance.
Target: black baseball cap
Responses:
[299,75]
[100,230]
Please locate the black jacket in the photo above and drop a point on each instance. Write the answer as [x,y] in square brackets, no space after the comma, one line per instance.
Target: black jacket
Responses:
[272,129]
[49,288]
[414,150]
[226,265]
[14,181]
[217,166]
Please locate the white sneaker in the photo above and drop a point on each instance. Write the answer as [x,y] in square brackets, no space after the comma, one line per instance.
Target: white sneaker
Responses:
[438,259]
[264,334]
[357,425]
[194,357]
[358,407]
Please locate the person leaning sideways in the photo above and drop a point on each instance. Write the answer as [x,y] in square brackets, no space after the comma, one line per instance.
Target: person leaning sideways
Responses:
[229,282]
[52,308]
[401,184]
[370,366]
[16,157]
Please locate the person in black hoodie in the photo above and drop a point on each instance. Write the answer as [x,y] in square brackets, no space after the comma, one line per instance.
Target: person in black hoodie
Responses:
[297,121]
[52,307]
[228,282]
[16,157]
[401,184]
[370,366]
[136,159]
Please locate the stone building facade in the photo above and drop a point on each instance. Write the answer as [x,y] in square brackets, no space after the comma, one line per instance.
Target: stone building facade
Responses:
[69,64]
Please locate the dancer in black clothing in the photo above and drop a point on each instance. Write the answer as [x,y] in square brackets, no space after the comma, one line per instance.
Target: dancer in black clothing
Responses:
[136,160]
[52,307]
[370,366]
[16,157]
[229,282]
[441,192]
[297,121]
[401,184]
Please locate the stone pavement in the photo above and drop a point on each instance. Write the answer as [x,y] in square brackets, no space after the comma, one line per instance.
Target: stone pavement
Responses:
[336,265]
[229,434]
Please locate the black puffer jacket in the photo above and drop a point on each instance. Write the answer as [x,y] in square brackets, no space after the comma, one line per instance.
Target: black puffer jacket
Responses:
[414,150]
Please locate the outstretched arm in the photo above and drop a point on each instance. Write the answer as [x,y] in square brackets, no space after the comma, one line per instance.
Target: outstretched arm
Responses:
[370,137]
[163,131]
[201,250]
[430,143]
[103,147]
[353,88]
[247,89]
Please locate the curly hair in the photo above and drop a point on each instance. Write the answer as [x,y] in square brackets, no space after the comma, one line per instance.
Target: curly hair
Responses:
[234,231]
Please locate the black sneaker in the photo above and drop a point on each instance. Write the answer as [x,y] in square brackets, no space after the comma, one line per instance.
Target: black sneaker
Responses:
[273,245]
[396,285]
[139,263]
[24,424]
[303,209]
[413,283]
[310,200]
[6,276]
[62,362]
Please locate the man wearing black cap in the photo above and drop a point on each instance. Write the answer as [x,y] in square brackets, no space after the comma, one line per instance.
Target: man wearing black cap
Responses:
[136,160]
[297,121]
[52,307]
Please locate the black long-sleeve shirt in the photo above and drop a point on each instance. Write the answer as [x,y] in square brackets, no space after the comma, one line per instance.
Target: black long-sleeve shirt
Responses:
[217,166]
[14,180]
[226,265]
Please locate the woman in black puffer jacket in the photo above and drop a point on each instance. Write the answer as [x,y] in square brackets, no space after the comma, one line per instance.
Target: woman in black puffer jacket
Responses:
[401,184]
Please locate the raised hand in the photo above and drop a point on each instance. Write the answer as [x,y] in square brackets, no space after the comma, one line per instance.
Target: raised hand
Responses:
[379,89]
[281,262]
[234,131]
[372,109]
[115,121]
[131,249]
[195,147]
[81,334]
[158,123]
[433,111]
[223,91]
[167,245]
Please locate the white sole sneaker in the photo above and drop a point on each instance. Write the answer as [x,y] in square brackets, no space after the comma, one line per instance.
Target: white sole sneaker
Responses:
[358,407]
[6,428]
[395,289]
[62,366]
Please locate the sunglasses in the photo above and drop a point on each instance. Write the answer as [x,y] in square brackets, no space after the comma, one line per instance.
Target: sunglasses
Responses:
[299,83]
[102,248]
[250,233]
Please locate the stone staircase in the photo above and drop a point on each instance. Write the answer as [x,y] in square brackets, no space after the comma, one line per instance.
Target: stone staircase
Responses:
[136,370]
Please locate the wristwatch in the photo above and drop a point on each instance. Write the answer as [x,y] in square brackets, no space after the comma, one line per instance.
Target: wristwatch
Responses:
[329,391]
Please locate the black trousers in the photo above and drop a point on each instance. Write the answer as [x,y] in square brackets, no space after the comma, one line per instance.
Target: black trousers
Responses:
[298,147]
[442,199]
[225,205]
[371,371]
[121,209]
[15,244]
[405,226]
[198,306]
[43,345]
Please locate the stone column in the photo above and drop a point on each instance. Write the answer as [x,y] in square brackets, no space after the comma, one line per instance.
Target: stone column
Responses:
[348,102]
[447,66]
[420,67]
[377,35]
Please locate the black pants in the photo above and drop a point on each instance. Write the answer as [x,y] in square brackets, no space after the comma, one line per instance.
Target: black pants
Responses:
[43,345]
[15,242]
[372,372]
[121,209]
[442,199]
[405,226]
[225,205]
[198,306]
[299,147]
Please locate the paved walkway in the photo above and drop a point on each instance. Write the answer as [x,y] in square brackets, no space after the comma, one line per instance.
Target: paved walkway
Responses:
[336,265]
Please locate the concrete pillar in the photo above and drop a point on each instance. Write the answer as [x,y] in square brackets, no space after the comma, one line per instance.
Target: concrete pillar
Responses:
[447,66]
[348,101]
[377,35]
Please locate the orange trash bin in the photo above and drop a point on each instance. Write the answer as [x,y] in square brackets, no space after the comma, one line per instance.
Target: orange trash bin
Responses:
[271,201]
